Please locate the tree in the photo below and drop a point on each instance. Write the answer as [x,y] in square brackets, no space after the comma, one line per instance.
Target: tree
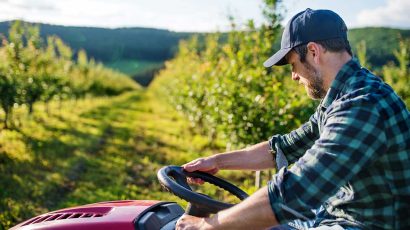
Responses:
[398,76]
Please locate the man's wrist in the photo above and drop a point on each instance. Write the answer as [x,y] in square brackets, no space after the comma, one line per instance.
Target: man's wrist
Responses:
[217,161]
[210,223]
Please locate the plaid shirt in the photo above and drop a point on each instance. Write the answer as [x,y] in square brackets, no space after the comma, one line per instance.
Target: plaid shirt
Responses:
[351,158]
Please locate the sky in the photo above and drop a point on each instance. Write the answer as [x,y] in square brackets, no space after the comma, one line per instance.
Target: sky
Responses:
[195,15]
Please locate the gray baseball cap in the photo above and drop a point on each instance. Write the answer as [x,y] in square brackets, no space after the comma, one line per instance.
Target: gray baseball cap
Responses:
[308,26]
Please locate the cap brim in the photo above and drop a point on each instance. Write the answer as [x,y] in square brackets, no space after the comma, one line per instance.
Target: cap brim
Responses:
[278,58]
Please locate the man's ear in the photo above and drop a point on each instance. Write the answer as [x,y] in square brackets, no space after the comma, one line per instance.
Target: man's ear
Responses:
[314,50]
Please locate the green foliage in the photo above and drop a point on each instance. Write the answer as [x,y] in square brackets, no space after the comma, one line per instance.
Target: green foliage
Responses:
[153,45]
[270,12]
[9,95]
[361,51]
[398,76]
[380,43]
[224,89]
[72,152]
[32,71]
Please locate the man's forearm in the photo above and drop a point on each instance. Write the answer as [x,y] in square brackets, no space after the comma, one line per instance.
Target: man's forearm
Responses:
[256,157]
[253,213]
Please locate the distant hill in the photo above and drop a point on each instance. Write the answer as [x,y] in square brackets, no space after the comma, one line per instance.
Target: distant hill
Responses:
[139,52]
[108,45]
[380,42]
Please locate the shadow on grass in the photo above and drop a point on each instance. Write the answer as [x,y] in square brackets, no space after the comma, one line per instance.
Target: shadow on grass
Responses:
[103,153]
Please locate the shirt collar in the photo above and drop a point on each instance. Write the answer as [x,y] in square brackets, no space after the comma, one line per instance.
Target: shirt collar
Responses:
[338,84]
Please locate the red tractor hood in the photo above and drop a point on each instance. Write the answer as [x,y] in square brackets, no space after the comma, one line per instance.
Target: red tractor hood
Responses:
[119,215]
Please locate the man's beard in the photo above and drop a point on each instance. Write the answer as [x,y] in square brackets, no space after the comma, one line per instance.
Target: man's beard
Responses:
[314,87]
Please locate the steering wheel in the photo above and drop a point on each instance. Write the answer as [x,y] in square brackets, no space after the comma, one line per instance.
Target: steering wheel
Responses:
[174,179]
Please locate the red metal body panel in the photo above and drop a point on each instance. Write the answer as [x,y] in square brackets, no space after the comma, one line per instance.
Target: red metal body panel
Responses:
[119,215]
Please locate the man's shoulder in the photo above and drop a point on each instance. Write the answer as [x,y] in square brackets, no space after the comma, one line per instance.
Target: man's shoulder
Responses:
[367,92]
[365,88]
[365,82]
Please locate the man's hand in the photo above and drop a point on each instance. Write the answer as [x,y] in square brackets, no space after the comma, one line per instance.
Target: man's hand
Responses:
[208,165]
[187,222]
[255,212]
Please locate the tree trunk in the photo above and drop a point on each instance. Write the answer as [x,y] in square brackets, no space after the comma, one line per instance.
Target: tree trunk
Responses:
[6,119]
[30,108]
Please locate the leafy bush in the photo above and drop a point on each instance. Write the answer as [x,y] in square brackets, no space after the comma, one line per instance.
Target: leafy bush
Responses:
[224,89]
[32,70]
[398,76]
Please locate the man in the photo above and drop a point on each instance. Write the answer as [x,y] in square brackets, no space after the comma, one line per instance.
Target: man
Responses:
[351,159]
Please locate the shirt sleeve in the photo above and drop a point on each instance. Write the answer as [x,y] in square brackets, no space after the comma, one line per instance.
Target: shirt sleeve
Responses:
[294,144]
[352,136]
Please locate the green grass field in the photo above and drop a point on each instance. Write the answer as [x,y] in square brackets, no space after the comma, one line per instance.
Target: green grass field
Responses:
[94,150]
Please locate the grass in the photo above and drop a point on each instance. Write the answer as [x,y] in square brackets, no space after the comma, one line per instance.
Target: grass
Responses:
[94,150]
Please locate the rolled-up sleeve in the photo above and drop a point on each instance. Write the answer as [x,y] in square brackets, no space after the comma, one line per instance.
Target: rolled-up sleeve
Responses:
[294,144]
[351,137]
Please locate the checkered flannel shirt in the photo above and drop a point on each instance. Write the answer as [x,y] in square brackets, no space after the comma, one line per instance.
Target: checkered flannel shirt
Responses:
[351,158]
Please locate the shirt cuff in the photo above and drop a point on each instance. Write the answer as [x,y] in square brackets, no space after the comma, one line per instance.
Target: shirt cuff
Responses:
[280,160]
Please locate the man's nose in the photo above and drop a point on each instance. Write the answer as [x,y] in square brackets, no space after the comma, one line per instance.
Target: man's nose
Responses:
[295,76]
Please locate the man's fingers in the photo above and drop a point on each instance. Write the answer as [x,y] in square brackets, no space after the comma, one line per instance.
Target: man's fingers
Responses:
[192,166]
[192,180]
[199,181]
[201,164]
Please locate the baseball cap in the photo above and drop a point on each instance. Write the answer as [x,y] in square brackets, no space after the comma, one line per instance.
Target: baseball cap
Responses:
[308,26]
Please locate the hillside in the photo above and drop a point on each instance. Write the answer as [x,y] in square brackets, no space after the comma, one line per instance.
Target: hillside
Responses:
[140,52]
[108,45]
[137,52]
[380,42]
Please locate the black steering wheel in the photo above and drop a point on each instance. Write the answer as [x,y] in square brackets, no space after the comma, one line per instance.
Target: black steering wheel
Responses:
[174,179]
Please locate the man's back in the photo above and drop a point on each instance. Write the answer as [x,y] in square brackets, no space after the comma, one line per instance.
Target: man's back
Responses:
[379,193]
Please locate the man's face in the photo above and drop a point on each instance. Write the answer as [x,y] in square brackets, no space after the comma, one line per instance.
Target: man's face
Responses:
[307,75]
